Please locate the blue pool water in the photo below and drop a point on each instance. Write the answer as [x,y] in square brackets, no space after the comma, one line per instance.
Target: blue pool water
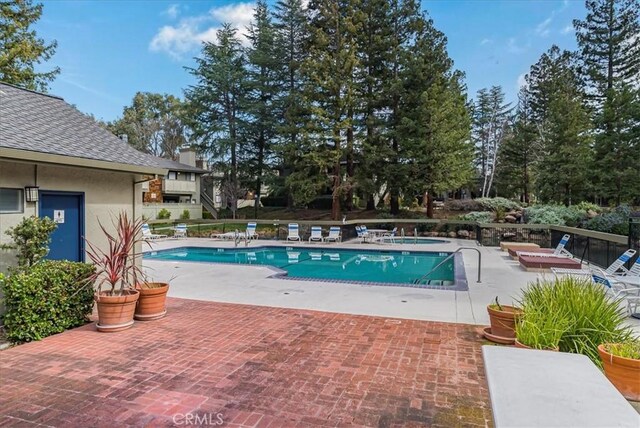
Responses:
[369,266]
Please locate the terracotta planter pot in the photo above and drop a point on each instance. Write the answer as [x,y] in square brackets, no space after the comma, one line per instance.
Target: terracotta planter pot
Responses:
[623,373]
[523,346]
[503,323]
[115,313]
[152,301]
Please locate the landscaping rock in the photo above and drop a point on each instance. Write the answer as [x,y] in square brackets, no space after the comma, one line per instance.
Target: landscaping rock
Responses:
[592,214]
[510,218]
[463,234]
[452,235]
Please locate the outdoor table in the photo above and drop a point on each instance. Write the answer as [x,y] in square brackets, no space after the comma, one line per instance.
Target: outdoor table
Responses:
[377,234]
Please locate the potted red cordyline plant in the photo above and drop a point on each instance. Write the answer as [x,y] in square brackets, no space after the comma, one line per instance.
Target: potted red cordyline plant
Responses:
[116,267]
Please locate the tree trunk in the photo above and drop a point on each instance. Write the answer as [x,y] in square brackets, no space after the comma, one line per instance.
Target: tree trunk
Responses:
[430,204]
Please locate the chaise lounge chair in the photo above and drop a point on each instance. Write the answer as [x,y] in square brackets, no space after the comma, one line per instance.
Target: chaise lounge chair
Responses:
[316,234]
[558,252]
[180,231]
[334,234]
[613,269]
[251,231]
[148,235]
[294,232]
[619,290]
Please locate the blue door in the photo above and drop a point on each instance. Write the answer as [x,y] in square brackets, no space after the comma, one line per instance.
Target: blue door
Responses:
[67,210]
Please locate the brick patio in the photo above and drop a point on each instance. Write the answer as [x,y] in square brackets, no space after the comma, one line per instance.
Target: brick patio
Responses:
[254,366]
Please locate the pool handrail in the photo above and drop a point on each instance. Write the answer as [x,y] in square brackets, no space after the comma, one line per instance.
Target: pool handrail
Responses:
[419,280]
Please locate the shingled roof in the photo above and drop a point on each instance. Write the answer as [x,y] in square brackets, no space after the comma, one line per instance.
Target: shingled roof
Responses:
[41,123]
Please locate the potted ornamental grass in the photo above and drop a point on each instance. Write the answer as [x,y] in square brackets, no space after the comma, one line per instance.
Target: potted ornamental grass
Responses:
[621,363]
[540,329]
[503,322]
[116,274]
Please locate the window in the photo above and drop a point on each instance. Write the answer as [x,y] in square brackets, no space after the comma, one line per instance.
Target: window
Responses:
[11,201]
[172,175]
[192,176]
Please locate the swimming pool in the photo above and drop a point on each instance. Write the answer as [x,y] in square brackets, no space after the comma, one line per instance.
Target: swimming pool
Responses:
[373,267]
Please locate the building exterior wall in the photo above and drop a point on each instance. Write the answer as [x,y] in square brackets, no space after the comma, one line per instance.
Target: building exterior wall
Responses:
[106,194]
[150,211]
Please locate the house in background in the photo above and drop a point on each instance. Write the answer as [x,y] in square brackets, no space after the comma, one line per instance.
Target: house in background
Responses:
[57,162]
[179,190]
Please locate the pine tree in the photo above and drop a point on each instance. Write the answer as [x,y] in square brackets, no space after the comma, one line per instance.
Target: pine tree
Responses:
[564,129]
[264,83]
[374,46]
[291,40]
[609,42]
[519,152]
[217,104]
[330,89]
[20,47]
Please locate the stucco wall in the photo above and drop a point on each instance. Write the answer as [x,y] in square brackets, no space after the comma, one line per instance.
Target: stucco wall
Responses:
[106,193]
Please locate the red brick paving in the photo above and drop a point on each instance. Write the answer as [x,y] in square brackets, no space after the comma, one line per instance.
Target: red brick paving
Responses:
[249,366]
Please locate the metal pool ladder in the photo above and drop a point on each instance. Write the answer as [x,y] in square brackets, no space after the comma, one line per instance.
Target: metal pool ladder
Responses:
[419,280]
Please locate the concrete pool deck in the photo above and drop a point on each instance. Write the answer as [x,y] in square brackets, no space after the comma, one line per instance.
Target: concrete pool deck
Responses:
[501,277]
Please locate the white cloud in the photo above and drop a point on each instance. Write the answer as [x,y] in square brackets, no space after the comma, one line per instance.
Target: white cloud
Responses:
[173,11]
[190,32]
[568,29]
[543,28]
[485,42]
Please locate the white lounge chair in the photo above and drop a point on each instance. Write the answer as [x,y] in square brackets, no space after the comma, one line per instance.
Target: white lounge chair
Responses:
[180,231]
[364,233]
[558,252]
[251,231]
[361,234]
[617,265]
[634,271]
[148,235]
[316,234]
[334,234]
[619,290]
[294,232]
[391,235]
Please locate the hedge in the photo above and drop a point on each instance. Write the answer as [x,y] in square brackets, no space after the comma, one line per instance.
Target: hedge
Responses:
[48,298]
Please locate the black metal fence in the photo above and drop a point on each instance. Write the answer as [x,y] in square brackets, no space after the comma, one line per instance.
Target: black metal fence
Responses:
[491,235]
[597,248]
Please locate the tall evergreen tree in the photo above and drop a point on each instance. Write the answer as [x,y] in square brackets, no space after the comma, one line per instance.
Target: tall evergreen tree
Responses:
[609,42]
[330,89]
[20,47]
[264,82]
[291,39]
[217,105]
[519,152]
[563,126]
[374,47]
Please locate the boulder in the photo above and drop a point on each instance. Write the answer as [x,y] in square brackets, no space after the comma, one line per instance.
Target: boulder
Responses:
[510,218]
[592,214]
[452,234]
[463,234]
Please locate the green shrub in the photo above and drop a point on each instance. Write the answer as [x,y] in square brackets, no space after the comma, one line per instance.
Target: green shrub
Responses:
[48,298]
[185,215]
[31,238]
[494,204]
[478,216]
[587,315]
[556,215]
[164,214]
[616,221]
[588,206]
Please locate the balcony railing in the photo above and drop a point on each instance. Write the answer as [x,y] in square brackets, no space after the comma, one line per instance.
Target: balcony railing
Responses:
[178,186]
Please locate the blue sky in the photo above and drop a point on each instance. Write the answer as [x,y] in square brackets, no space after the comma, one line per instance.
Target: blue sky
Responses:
[109,50]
